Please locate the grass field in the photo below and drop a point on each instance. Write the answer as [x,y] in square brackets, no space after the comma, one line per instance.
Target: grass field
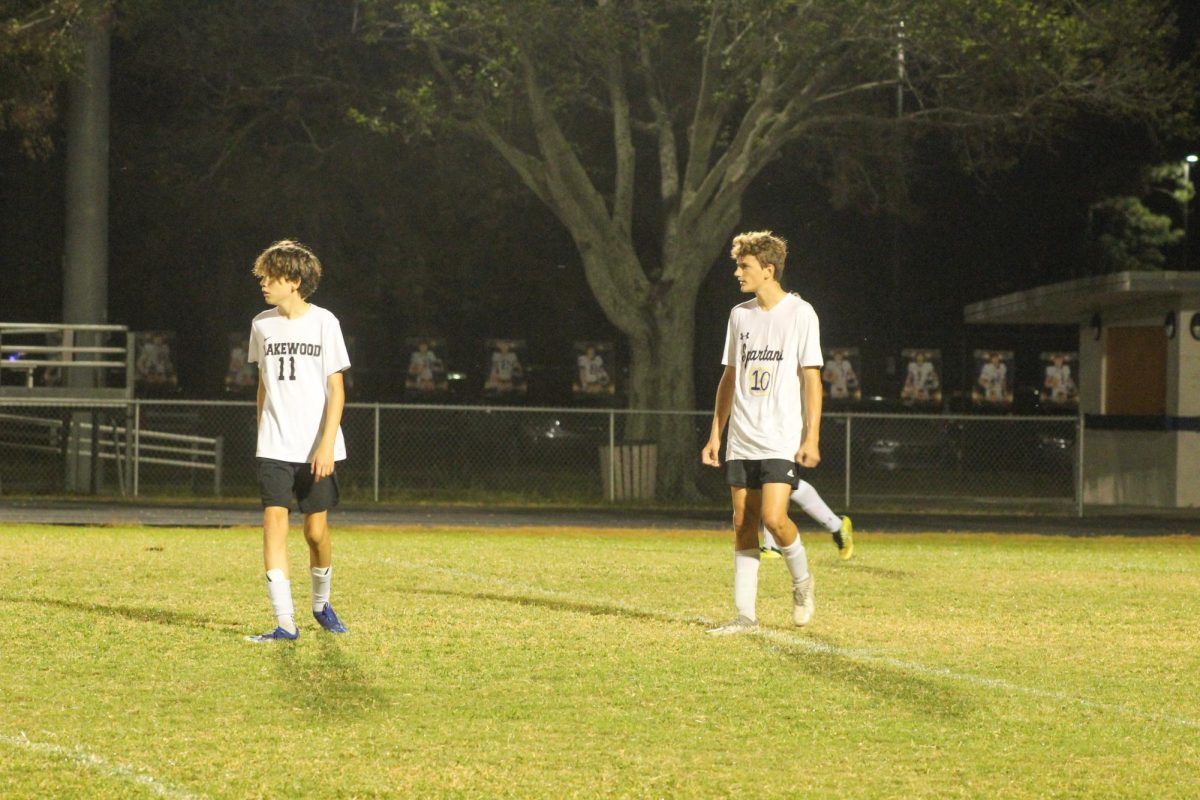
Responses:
[568,663]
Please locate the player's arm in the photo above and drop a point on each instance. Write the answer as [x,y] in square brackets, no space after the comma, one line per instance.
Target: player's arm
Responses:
[809,454]
[711,455]
[262,397]
[335,402]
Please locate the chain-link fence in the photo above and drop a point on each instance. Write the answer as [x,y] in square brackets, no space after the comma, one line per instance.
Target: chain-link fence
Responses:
[501,454]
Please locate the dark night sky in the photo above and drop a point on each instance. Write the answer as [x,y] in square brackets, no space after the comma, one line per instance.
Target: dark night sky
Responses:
[416,258]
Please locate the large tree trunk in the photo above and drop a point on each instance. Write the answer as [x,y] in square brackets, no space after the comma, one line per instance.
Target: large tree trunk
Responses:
[660,378]
[660,329]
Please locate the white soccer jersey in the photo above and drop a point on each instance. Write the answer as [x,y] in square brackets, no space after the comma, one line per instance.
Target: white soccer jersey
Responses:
[839,374]
[295,358]
[922,376]
[593,369]
[505,365]
[1058,378]
[767,349]
[423,364]
[994,377]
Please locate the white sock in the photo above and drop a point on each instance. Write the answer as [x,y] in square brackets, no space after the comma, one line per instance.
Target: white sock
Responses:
[807,498]
[745,582]
[796,560]
[279,589]
[321,578]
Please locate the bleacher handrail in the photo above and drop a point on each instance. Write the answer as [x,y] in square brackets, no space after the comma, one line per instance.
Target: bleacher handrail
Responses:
[64,354]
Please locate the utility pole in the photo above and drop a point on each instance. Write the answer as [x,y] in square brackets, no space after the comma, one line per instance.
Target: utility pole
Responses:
[85,255]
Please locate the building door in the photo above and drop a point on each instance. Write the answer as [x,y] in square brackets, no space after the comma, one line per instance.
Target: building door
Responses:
[1135,371]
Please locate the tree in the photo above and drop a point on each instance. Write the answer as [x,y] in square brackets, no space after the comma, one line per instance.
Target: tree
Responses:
[38,51]
[1128,234]
[697,98]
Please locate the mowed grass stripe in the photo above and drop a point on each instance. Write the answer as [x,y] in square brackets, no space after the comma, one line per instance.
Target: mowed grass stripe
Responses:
[538,663]
[797,642]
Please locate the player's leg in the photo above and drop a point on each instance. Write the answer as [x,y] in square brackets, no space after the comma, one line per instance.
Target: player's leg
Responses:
[746,516]
[775,504]
[842,530]
[279,586]
[275,480]
[316,498]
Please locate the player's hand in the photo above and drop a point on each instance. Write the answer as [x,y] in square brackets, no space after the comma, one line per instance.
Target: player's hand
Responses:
[710,456]
[322,464]
[809,455]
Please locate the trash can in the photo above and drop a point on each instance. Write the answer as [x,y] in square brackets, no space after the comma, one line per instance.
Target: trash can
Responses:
[630,472]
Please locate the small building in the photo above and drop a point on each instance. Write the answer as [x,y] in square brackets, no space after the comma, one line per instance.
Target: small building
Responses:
[1139,379]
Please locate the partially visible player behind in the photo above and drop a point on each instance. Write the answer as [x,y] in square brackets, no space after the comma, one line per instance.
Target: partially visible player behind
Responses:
[811,503]
[301,355]
[770,396]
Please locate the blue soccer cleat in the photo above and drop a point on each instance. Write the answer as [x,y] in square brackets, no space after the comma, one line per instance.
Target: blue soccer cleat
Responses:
[329,620]
[279,634]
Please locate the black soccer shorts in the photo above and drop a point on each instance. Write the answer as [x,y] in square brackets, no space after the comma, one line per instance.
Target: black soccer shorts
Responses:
[280,481]
[753,473]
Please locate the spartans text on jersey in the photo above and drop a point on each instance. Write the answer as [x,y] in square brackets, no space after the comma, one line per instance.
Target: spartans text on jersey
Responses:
[766,354]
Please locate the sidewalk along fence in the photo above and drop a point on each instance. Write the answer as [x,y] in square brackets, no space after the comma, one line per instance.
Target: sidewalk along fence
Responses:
[506,454]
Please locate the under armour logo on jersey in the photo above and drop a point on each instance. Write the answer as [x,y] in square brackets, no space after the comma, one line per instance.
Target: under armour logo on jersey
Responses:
[744,336]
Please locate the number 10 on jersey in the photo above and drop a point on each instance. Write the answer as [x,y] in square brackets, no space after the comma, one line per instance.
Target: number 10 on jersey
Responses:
[760,381]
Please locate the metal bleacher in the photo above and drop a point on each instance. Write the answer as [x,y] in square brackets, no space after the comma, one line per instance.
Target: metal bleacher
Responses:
[49,357]
[68,391]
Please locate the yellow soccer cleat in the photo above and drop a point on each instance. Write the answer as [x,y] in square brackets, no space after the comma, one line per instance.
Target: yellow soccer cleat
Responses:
[843,537]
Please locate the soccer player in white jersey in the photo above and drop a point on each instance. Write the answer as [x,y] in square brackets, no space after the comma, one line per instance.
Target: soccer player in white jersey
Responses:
[593,377]
[506,368]
[993,377]
[770,396]
[301,356]
[1058,380]
[839,374]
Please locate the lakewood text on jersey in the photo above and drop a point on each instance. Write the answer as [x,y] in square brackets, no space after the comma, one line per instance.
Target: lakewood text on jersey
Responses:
[292,349]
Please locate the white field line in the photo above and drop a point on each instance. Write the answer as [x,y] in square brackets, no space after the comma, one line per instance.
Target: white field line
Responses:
[98,763]
[801,643]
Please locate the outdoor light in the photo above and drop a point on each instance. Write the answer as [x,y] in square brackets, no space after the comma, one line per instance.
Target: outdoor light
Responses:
[1188,160]
[1169,324]
[1195,326]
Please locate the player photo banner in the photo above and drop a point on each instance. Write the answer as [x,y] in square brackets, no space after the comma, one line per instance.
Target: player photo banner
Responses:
[240,375]
[840,374]
[993,379]
[154,360]
[426,371]
[505,368]
[1059,388]
[594,369]
[922,377]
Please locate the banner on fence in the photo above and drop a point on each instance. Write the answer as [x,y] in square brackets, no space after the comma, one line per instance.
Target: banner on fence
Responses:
[595,369]
[923,377]
[240,375]
[840,374]
[426,373]
[1059,387]
[993,379]
[505,368]
[154,363]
